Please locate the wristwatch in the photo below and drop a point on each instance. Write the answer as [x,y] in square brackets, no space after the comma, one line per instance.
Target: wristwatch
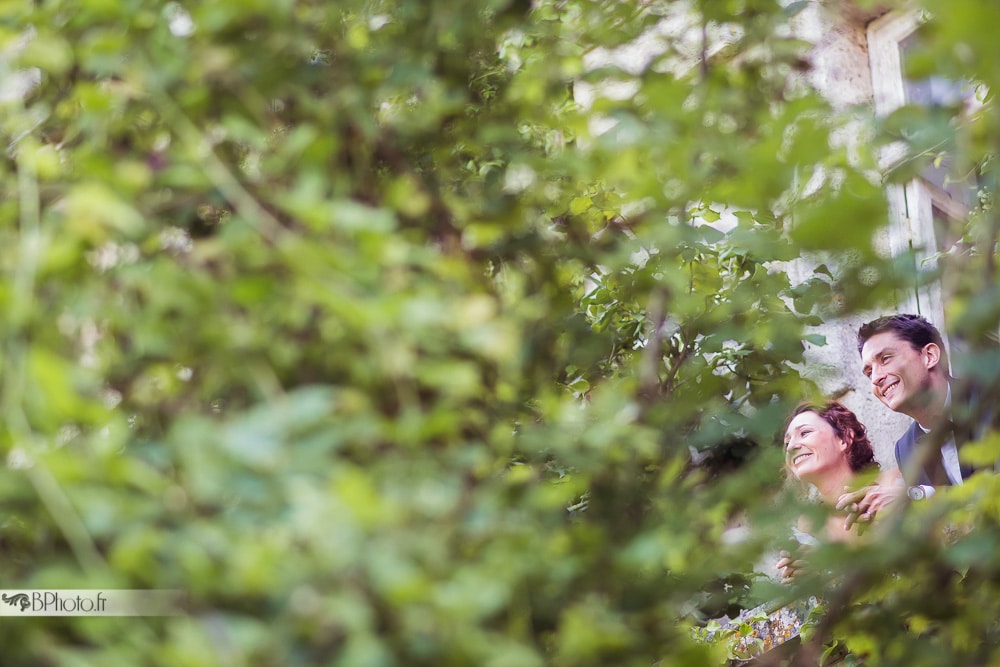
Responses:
[916,493]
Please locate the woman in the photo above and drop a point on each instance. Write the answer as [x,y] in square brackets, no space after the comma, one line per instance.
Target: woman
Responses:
[825,446]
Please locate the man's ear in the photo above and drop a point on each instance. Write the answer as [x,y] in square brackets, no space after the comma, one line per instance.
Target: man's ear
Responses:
[932,355]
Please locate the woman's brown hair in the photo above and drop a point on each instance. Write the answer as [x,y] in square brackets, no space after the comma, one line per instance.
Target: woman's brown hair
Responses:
[848,428]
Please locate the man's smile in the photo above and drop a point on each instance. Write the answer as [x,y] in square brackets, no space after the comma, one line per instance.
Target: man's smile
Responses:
[889,388]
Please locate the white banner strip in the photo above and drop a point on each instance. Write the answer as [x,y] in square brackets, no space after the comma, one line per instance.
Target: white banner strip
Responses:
[97,602]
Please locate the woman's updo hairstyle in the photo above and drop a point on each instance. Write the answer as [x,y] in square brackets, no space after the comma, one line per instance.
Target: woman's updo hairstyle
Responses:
[859,453]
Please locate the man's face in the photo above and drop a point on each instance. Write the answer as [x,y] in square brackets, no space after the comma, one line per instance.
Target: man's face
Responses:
[900,374]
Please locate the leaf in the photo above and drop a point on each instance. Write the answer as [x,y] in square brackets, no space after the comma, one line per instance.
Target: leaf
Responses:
[47,51]
[258,439]
[709,215]
[579,204]
[793,8]
[982,453]
[94,211]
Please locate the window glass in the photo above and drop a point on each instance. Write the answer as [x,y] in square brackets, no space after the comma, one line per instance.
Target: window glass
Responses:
[940,92]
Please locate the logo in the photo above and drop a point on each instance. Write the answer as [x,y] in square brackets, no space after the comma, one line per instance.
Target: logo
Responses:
[104,602]
[20,598]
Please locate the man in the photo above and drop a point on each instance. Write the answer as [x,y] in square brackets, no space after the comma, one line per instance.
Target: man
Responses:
[905,360]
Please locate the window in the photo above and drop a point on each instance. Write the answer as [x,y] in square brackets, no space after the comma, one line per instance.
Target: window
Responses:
[926,211]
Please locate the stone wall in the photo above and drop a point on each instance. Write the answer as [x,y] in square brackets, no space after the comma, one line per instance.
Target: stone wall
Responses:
[841,73]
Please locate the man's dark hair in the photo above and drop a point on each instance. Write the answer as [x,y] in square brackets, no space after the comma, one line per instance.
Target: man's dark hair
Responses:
[912,328]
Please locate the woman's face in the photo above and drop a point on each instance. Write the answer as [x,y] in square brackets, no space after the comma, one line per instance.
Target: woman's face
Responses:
[812,447]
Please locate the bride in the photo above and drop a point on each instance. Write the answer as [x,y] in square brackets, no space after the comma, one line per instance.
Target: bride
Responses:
[826,447]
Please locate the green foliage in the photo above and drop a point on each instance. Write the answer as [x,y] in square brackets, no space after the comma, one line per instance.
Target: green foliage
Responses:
[343,319]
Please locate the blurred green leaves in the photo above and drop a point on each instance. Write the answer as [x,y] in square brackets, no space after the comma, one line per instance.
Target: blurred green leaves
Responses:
[351,321]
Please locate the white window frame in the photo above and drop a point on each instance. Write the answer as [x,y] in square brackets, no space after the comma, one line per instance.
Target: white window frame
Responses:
[911,204]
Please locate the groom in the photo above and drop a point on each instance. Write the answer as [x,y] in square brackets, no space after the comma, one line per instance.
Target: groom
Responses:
[905,360]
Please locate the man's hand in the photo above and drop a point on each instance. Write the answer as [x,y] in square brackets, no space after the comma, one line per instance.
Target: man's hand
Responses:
[789,566]
[862,505]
